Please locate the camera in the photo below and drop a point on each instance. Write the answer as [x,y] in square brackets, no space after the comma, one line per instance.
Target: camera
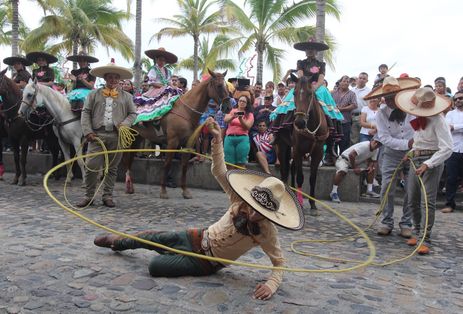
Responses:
[240,113]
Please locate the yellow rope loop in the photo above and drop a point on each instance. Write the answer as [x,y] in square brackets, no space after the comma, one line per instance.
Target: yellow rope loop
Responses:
[127,136]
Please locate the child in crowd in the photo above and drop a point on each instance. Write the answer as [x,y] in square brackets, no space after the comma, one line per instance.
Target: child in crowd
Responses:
[263,140]
[383,69]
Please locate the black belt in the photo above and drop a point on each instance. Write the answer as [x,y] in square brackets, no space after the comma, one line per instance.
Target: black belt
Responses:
[236,135]
[103,129]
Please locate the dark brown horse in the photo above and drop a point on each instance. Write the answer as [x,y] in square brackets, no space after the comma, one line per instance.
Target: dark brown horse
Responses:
[178,125]
[307,137]
[21,132]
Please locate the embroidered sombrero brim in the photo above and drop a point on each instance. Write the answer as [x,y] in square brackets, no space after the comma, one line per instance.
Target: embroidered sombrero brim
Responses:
[403,100]
[124,73]
[309,45]
[16,59]
[289,214]
[404,84]
[33,56]
[155,53]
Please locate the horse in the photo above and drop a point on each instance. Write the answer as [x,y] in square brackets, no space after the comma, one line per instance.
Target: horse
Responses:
[66,124]
[21,131]
[307,136]
[178,125]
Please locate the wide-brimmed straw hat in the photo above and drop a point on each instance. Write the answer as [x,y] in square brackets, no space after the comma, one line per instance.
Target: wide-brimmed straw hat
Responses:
[311,44]
[33,56]
[18,58]
[392,86]
[112,68]
[82,56]
[162,52]
[269,196]
[421,102]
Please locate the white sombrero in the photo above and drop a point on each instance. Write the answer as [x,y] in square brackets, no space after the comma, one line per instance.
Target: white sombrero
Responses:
[422,102]
[269,196]
[112,68]
[392,86]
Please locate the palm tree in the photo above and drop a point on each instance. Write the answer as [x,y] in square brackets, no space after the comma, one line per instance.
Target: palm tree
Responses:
[82,24]
[194,21]
[320,25]
[269,21]
[15,27]
[210,56]
[137,65]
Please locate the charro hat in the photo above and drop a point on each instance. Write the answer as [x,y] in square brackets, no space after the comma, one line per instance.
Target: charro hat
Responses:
[269,196]
[392,86]
[33,56]
[311,44]
[112,68]
[82,56]
[421,102]
[162,52]
[18,58]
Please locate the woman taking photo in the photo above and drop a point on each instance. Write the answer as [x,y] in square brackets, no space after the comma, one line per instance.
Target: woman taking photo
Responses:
[240,121]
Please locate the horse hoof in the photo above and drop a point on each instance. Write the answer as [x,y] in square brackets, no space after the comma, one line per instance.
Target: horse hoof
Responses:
[22,183]
[187,195]
[14,182]
[314,212]
[164,196]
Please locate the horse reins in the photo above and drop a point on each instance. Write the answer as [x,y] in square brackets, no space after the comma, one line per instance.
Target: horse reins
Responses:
[306,118]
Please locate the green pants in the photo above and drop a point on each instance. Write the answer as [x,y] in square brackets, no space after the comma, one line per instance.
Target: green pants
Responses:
[169,264]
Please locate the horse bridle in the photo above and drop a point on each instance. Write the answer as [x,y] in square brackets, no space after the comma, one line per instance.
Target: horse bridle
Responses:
[12,107]
[305,117]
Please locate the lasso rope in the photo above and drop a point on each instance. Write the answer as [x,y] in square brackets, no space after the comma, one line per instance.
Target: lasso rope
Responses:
[126,137]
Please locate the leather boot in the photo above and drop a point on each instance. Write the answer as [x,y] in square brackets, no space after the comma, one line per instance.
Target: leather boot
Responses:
[108,202]
[85,202]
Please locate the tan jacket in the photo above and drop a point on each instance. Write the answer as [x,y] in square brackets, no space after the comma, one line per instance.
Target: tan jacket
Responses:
[227,242]
[124,111]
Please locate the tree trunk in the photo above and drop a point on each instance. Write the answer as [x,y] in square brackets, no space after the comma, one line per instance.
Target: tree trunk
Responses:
[320,25]
[195,57]
[137,63]
[15,28]
[75,50]
[260,47]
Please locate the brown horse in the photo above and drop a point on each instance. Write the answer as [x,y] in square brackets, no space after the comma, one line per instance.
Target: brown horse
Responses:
[308,135]
[178,125]
[22,130]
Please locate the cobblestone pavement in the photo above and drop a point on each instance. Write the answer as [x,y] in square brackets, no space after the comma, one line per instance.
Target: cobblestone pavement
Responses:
[49,263]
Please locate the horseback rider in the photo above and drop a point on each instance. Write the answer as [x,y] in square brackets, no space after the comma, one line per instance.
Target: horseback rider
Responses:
[159,75]
[315,71]
[83,81]
[44,74]
[105,111]
[21,76]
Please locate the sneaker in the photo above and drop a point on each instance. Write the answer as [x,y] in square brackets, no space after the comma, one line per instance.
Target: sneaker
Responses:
[402,184]
[372,194]
[375,182]
[405,233]
[335,197]
[446,210]
[384,231]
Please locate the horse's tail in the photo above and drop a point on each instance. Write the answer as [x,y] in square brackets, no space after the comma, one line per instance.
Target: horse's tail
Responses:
[193,137]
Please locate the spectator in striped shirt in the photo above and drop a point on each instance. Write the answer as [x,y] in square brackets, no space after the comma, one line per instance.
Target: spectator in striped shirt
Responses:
[263,140]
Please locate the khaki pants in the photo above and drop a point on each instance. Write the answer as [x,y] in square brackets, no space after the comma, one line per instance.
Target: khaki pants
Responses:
[97,162]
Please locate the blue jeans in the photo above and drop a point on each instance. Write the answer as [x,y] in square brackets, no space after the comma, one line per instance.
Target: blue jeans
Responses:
[454,171]
[365,137]
[344,143]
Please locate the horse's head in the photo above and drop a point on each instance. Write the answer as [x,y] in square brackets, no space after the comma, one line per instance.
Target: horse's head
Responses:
[3,85]
[304,99]
[31,96]
[217,88]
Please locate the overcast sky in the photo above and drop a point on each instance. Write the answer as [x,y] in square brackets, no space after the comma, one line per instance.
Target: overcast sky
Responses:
[421,36]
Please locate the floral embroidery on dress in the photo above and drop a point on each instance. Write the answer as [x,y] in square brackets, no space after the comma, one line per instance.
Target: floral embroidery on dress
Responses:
[314,69]
[41,73]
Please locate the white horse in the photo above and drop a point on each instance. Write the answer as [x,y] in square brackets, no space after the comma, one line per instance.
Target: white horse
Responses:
[66,123]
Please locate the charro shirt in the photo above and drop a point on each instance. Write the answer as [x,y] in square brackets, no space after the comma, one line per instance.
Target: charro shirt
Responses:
[226,241]
[43,74]
[436,136]
[312,68]
[96,113]
[392,134]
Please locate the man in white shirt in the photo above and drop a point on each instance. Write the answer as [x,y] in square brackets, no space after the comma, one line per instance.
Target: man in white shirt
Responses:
[359,157]
[396,135]
[455,163]
[432,146]
[360,91]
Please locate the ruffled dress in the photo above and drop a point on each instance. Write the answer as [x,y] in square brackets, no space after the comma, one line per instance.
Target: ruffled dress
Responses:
[149,109]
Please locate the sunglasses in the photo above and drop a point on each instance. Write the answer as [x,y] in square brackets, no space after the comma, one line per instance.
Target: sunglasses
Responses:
[458,99]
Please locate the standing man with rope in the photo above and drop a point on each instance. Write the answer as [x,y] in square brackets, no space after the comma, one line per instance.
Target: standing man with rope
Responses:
[432,146]
[396,135]
[105,111]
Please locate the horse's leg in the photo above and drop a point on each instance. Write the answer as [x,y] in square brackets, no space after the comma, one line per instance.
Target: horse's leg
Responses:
[15,146]
[127,160]
[316,157]
[66,149]
[284,155]
[297,160]
[77,143]
[54,147]
[172,143]
[186,193]
[24,146]
[2,167]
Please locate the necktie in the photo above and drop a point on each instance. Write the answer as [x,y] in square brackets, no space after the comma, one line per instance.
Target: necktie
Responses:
[110,92]
[397,115]
[419,123]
